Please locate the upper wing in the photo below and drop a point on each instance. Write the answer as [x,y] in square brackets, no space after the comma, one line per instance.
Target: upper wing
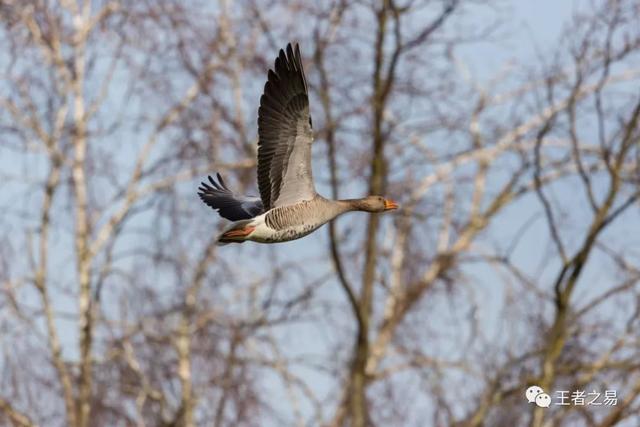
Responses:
[229,206]
[285,135]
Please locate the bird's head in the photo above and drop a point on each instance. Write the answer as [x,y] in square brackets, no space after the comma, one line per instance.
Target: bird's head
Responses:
[377,204]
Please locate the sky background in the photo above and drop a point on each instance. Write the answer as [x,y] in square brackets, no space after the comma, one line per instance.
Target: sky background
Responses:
[529,28]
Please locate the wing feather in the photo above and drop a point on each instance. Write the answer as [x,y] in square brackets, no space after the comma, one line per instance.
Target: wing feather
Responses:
[285,134]
[229,205]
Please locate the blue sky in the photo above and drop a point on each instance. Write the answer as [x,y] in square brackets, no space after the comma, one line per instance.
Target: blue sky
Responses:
[528,29]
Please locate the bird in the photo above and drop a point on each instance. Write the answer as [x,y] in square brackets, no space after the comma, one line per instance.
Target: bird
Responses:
[289,206]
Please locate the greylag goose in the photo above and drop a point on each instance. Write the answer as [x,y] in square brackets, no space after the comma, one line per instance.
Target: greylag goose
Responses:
[288,207]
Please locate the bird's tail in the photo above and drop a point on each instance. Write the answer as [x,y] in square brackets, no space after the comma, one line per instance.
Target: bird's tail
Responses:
[236,233]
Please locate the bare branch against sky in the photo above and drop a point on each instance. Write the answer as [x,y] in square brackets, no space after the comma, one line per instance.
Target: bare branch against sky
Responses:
[514,260]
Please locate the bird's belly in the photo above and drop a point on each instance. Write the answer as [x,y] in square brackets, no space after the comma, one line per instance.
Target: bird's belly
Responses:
[269,235]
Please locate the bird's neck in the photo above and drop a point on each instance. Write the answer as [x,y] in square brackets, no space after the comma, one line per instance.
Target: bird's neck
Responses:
[350,205]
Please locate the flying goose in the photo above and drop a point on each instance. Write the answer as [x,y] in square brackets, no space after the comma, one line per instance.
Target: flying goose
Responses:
[288,207]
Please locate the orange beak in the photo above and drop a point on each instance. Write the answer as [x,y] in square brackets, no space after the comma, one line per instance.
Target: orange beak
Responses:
[390,205]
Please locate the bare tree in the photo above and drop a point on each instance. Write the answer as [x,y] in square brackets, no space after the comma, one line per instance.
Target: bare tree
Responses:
[512,262]
[112,170]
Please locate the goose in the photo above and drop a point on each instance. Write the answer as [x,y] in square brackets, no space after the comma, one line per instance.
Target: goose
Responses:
[289,206]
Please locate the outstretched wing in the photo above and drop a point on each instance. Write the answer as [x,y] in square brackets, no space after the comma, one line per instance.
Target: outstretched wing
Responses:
[285,134]
[229,206]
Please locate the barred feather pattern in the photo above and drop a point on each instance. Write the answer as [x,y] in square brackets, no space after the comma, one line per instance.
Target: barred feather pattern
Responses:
[291,216]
